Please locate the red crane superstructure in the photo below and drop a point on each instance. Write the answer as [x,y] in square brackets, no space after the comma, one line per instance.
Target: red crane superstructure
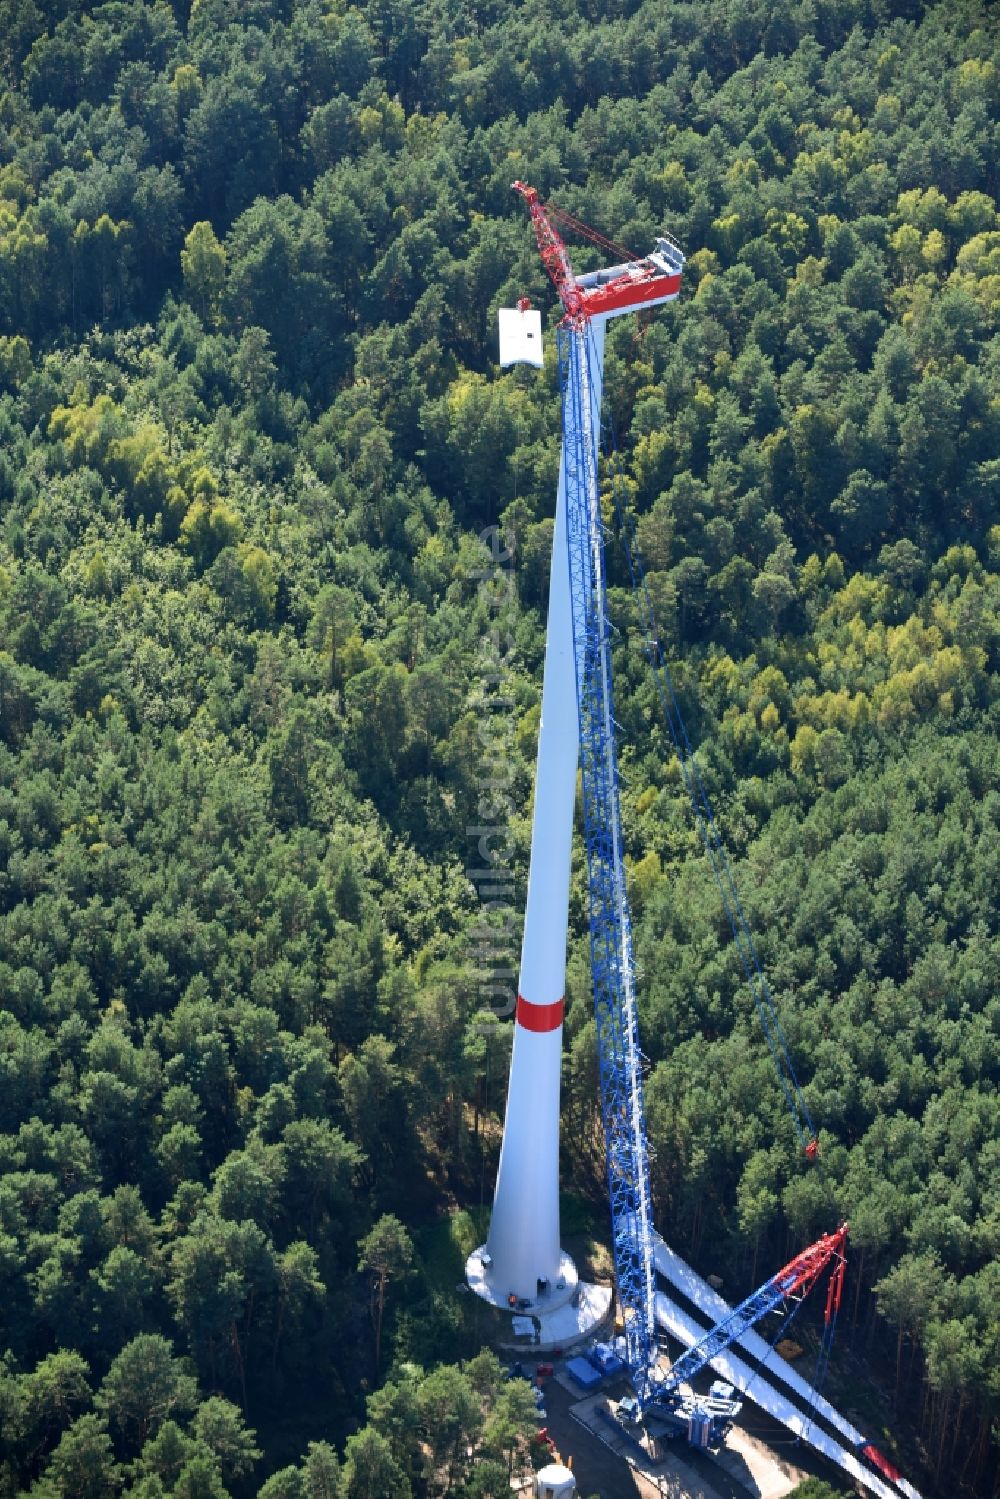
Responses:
[636,283]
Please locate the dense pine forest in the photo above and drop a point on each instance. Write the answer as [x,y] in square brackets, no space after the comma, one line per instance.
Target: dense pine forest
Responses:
[252,440]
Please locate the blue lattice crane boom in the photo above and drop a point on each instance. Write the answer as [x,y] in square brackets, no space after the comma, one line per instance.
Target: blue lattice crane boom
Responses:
[619,1056]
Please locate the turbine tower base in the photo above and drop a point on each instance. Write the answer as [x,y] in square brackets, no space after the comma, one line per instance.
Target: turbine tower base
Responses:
[559,1316]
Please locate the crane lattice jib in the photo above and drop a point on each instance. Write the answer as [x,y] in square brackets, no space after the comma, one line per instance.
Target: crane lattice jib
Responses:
[553,252]
[619,1056]
[797,1278]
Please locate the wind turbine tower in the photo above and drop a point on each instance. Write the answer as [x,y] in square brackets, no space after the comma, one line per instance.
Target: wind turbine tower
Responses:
[522,1266]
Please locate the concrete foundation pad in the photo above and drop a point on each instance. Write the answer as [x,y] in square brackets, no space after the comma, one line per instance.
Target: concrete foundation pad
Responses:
[576,1320]
[561,1317]
[482,1277]
[566,1328]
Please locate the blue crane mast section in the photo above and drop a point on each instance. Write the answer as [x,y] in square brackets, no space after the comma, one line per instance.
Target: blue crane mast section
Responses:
[619,1056]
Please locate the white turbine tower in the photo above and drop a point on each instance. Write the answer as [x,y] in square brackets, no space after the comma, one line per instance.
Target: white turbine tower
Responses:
[522,1266]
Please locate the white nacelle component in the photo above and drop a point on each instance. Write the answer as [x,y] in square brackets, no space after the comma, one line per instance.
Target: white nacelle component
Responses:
[520,336]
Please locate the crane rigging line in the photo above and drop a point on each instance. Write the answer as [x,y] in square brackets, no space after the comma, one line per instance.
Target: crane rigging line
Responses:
[562,216]
[707,827]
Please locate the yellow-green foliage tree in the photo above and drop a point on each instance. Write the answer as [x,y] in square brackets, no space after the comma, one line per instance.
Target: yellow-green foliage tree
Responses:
[203,262]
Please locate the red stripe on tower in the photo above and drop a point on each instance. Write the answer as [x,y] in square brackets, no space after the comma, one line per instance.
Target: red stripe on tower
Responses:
[539,1017]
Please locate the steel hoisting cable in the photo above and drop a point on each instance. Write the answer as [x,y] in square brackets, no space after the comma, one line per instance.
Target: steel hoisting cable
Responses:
[708,830]
[825,1350]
